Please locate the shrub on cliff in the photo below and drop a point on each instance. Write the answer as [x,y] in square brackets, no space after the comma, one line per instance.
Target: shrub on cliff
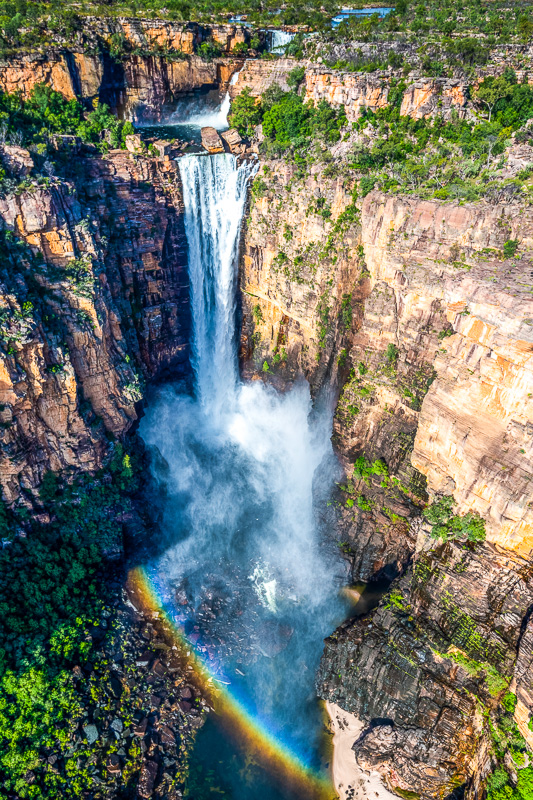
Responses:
[446,525]
[246,113]
[289,122]
[47,112]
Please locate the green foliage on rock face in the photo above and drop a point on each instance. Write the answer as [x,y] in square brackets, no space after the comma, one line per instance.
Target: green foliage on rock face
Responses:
[451,159]
[209,50]
[447,525]
[48,576]
[245,113]
[47,112]
[363,468]
[510,247]
[295,77]
[288,122]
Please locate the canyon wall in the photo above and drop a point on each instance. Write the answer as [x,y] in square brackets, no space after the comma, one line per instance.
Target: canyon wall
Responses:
[94,301]
[412,307]
[140,83]
[137,88]
[135,66]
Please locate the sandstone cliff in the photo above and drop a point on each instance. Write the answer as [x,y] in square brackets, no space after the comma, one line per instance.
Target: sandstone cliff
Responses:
[154,65]
[94,298]
[429,329]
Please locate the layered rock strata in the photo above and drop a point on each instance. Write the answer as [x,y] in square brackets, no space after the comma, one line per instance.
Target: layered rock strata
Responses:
[429,328]
[94,300]
[138,87]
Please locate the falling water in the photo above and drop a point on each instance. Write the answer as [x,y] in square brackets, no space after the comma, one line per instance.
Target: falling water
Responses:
[279,40]
[201,113]
[214,193]
[243,471]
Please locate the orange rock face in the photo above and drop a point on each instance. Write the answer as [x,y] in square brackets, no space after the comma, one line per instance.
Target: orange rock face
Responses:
[473,439]
[112,308]
[351,90]
[436,95]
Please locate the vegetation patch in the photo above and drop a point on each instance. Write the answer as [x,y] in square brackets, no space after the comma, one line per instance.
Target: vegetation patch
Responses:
[446,525]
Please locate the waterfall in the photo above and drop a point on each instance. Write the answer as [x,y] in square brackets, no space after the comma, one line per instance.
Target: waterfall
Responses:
[200,114]
[241,469]
[214,193]
[279,40]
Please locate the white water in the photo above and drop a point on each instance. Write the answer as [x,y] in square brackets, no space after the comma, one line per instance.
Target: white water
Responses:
[280,39]
[240,467]
[215,117]
[214,193]
[203,116]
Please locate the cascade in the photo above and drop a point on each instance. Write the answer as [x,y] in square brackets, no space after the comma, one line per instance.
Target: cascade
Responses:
[244,577]
[214,193]
[279,40]
[200,114]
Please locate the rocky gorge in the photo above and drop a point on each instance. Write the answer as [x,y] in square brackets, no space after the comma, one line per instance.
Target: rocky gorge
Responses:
[410,312]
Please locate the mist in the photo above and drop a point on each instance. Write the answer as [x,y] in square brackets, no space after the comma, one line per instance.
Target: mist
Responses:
[245,473]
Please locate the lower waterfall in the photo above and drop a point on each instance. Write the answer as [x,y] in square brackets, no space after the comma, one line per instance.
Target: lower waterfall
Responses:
[244,474]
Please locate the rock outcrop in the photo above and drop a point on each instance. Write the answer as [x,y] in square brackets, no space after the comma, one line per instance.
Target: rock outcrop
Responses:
[94,300]
[153,64]
[349,89]
[211,141]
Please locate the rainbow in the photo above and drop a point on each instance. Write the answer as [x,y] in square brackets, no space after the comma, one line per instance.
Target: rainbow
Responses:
[250,733]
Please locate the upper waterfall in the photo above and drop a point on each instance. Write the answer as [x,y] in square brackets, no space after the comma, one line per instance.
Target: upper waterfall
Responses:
[214,192]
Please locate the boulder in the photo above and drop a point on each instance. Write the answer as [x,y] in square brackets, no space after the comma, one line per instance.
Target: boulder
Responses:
[67,142]
[147,778]
[134,143]
[163,147]
[211,141]
[91,733]
[519,157]
[234,141]
[16,160]
[113,764]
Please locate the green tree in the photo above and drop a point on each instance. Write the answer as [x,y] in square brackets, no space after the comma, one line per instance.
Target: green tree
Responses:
[295,77]
[246,112]
[490,90]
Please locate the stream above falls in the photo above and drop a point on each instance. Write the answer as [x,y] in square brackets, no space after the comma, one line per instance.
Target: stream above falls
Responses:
[248,579]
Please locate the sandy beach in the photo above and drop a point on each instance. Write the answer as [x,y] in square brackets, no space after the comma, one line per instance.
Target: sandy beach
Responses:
[350,781]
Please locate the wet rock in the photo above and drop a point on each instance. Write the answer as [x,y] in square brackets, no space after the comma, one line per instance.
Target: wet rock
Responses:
[211,141]
[273,638]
